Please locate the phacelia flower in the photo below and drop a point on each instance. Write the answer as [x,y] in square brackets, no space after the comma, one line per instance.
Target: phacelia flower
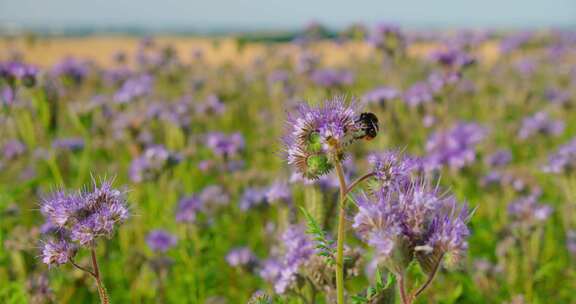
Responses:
[563,160]
[499,158]
[380,95]
[225,145]
[188,209]
[136,87]
[317,136]
[81,218]
[455,148]
[540,123]
[332,78]
[241,256]
[528,212]
[57,252]
[253,197]
[297,250]
[392,169]
[151,163]
[412,220]
[12,149]
[418,94]
[161,241]
[73,144]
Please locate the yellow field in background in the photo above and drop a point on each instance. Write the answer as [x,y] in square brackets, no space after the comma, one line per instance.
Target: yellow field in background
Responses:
[217,51]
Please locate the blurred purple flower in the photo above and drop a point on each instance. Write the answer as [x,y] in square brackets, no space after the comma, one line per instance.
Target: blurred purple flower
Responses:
[455,148]
[241,256]
[540,123]
[225,145]
[161,240]
[563,160]
[380,95]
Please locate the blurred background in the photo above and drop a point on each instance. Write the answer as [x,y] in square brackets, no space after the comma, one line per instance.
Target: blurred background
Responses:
[184,104]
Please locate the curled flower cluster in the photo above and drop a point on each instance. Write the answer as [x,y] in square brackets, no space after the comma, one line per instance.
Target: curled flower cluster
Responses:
[455,148]
[80,219]
[408,218]
[318,136]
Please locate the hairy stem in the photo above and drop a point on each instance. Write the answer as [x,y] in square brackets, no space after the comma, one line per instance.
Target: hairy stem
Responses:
[90,272]
[101,288]
[358,181]
[402,288]
[341,235]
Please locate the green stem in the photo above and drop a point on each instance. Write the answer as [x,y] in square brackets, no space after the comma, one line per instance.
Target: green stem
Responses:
[341,235]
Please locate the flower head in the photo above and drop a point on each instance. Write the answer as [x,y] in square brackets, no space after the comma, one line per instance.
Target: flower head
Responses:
[317,136]
[410,218]
[81,218]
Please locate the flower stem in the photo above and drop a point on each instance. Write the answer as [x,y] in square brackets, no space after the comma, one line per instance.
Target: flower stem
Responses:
[341,235]
[402,288]
[96,271]
[358,181]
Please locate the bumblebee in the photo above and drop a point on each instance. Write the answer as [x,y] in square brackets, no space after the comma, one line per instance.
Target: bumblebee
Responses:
[368,126]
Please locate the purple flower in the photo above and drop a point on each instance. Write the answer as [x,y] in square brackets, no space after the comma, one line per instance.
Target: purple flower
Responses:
[212,106]
[135,87]
[540,123]
[73,144]
[380,95]
[418,94]
[317,136]
[160,240]
[332,78]
[83,217]
[452,58]
[151,163]
[297,250]
[214,195]
[392,169]
[279,191]
[410,220]
[241,256]
[225,145]
[499,158]
[12,149]
[253,197]
[57,252]
[528,212]
[455,147]
[72,69]
[557,96]
[563,160]
[188,208]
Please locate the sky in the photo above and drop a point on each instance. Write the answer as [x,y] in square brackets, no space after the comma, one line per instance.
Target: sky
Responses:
[287,14]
